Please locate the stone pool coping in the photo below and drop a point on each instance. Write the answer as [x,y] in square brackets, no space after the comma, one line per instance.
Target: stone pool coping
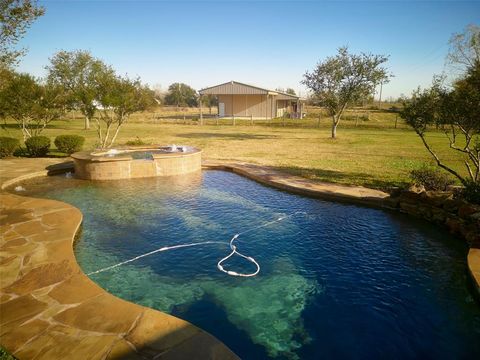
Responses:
[49,309]
[350,194]
[124,154]
[42,311]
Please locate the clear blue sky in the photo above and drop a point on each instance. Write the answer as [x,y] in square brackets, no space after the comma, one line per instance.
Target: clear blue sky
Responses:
[268,43]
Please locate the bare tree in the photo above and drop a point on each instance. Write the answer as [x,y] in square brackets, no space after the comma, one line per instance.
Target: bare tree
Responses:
[464,50]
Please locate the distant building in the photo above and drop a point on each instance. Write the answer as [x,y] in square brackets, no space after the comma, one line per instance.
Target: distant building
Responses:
[236,99]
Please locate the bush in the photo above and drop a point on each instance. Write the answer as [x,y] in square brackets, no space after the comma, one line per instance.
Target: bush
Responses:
[69,143]
[471,192]
[431,178]
[38,146]
[5,355]
[8,146]
[135,142]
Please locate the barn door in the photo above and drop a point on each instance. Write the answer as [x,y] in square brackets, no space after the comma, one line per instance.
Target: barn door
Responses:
[221,109]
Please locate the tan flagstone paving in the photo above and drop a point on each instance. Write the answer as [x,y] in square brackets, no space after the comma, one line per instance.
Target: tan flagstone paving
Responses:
[50,310]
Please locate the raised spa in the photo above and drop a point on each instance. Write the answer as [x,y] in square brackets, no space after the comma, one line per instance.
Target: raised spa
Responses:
[138,162]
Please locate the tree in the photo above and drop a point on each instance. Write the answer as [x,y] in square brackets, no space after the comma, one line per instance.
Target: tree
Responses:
[6,75]
[30,103]
[119,97]
[78,73]
[464,50]
[180,94]
[16,16]
[210,101]
[159,94]
[291,91]
[457,112]
[345,78]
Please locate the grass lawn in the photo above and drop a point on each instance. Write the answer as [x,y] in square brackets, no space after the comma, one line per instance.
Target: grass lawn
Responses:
[373,153]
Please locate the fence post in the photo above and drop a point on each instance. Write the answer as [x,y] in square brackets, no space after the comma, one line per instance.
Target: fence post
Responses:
[318,121]
[396,119]
[251,119]
[216,122]
[233,119]
[356,120]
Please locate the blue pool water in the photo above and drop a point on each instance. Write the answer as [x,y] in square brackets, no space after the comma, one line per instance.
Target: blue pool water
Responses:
[336,281]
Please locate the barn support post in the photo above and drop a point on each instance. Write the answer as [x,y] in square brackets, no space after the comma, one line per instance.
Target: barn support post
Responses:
[266,107]
[246,105]
[233,113]
[201,113]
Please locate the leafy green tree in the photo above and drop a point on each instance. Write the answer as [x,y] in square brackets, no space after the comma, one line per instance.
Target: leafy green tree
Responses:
[288,91]
[16,16]
[78,73]
[456,111]
[343,79]
[180,94]
[6,75]
[119,97]
[210,101]
[31,103]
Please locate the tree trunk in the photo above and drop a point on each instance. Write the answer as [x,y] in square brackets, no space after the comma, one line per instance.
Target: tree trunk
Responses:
[87,123]
[334,131]
[115,136]
[334,127]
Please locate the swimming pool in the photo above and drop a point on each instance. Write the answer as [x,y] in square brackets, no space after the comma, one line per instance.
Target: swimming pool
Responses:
[336,280]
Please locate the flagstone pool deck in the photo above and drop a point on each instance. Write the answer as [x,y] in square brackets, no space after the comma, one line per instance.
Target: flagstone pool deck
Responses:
[49,309]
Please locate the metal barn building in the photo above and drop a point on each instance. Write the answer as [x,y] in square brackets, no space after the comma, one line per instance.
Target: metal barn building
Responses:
[236,99]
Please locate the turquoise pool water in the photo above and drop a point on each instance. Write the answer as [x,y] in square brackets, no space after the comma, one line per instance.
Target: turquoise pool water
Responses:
[336,280]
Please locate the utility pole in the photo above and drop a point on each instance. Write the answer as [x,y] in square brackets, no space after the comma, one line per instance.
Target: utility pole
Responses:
[201,113]
[380,98]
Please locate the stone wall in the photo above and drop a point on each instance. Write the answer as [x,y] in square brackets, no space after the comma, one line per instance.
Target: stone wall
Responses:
[89,167]
[459,216]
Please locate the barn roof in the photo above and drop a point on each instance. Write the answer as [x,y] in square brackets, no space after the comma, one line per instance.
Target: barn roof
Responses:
[238,88]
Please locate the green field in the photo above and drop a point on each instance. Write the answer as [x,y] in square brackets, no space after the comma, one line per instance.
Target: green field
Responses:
[367,152]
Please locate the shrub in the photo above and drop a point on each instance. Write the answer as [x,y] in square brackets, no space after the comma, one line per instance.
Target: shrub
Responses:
[69,143]
[21,152]
[471,192]
[431,178]
[8,146]
[37,146]
[137,141]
